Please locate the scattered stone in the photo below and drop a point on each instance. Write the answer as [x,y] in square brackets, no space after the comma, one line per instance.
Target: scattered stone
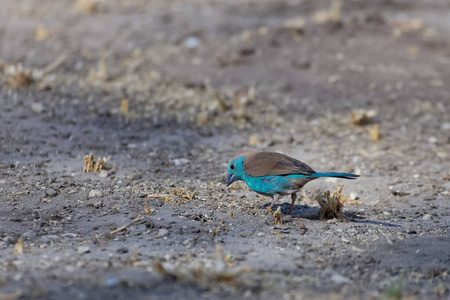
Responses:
[37,107]
[48,238]
[332,221]
[432,140]
[112,281]
[427,217]
[261,234]
[103,174]
[83,249]
[181,161]
[399,193]
[95,194]
[163,232]
[29,235]
[98,204]
[50,192]
[122,250]
[339,279]
[192,42]
[445,126]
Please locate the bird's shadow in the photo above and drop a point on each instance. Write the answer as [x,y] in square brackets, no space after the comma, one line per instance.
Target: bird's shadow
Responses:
[313,213]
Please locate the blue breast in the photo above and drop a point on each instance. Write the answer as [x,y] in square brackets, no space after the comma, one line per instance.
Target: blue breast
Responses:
[271,185]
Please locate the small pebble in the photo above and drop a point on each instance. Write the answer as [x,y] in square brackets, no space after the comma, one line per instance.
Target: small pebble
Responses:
[29,234]
[37,107]
[163,232]
[426,217]
[432,140]
[83,249]
[103,174]
[50,192]
[181,161]
[192,42]
[95,194]
[261,234]
[112,281]
[339,279]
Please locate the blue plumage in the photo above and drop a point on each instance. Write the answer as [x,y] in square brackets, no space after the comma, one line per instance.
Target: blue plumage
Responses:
[275,175]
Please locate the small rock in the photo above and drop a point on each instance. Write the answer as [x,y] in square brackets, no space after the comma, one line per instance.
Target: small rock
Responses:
[426,217]
[48,238]
[103,174]
[399,193]
[83,249]
[181,161]
[122,250]
[332,221]
[445,126]
[186,242]
[261,234]
[339,279]
[95,194]
[99,204]
[432,140]
[163,232]
[192,42]
[112,281]
[29,234]
[50,192]
[37,107]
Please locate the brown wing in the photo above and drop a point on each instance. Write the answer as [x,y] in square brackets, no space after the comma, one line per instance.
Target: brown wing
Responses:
[272,163]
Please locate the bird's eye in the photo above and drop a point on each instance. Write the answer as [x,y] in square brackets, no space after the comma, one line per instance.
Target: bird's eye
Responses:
[232,167]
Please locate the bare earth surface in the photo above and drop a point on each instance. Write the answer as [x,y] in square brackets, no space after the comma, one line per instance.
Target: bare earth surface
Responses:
[204,81]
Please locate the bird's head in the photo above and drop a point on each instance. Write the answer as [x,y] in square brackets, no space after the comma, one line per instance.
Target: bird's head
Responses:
[236,170]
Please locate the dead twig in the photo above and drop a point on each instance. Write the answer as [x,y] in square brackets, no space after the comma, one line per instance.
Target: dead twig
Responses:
[138,219]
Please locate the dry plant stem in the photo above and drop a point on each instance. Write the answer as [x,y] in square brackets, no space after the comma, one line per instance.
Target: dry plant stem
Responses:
[138,219]
[148,211]
[278,216]
[331,205]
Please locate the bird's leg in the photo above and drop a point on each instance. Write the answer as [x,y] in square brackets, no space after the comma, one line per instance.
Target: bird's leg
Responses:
[293,197]
[275,197]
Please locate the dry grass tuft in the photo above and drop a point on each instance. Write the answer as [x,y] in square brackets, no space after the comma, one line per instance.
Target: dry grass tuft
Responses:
[92,166]
[361,117]
[375,133]
[413,25]
[99,74]
[17,76]
[18,248]
[86,6]
[125,106]
[332,205]
[41,33]
[178,196]
[333,14]
[208,276]
[277,214]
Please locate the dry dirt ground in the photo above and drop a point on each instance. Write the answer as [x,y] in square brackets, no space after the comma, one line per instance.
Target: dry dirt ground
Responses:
[171,91]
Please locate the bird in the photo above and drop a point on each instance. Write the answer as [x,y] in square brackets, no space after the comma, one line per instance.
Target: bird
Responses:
[274,174]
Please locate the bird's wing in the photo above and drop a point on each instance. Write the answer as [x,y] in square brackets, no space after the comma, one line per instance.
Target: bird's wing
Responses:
[271,163]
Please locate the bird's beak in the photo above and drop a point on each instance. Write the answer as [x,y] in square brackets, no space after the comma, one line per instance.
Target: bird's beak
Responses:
[230,179]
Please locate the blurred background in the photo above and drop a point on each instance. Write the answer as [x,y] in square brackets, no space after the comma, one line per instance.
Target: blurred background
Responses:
[168,91]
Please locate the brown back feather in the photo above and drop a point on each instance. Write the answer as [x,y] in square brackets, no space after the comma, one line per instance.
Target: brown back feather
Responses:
[271,163]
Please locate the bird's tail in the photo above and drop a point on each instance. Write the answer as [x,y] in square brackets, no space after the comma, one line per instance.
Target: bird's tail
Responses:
[334,174]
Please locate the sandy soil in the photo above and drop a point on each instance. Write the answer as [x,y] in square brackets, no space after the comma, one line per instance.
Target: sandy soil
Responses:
[171,91]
